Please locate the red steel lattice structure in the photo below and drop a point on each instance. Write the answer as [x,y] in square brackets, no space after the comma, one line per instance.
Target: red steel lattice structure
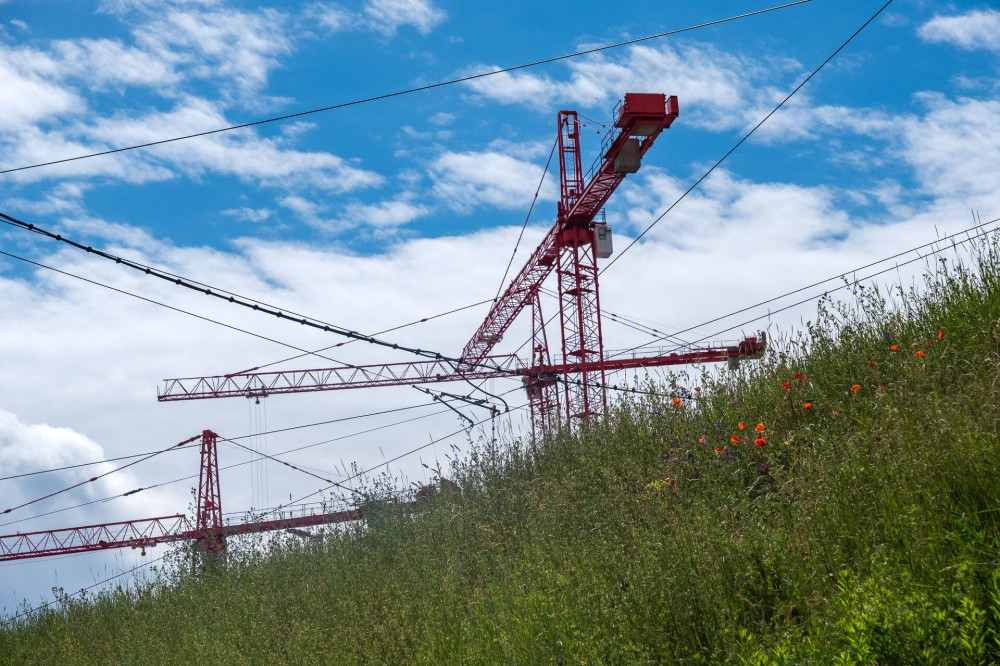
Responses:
[208,532]
[570,249]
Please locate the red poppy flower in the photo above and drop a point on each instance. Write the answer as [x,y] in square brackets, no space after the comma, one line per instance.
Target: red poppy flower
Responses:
[871,364]
[855,388]
[807,405]
[743,426]
[786,385]
[894,348]
[881,388]
[803,379]
[669,481]
[701,440]
[766,469]
[718,450]
[929,342]
[759,427]
[675,492]
[797,376]
[920,353]
[697,389]
[759,441]
[735,439]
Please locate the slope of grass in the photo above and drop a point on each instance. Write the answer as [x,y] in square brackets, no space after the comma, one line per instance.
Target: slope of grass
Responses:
[861,527]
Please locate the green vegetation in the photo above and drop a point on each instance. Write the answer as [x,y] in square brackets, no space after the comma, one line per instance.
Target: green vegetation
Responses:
[863,529]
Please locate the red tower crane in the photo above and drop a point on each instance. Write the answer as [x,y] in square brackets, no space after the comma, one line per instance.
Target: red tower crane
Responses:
[209,531]
[571,249]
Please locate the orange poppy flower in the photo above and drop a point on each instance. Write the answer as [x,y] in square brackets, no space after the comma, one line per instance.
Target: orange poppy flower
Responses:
[735,439]
[718,450]
[920,353]
[760,427]
[759,441]
[940,335]
[807,405]
[881,388]
[701,440]
[677,401]
[697,389]
[894,348]
[855,388]
[743,426]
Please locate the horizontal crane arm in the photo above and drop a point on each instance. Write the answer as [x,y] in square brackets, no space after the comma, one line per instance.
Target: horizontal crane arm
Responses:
[423,372]
[248,385]
[145,533]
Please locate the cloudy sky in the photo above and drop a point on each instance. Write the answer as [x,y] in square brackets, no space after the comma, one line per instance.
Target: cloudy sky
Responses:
[384,213]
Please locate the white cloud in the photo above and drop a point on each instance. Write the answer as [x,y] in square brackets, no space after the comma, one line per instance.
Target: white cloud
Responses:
[28,96]
[955,149]
[973,30]
[384,217]
[242,154]
[464,180]
[717,90]
[231,45]
[255,215]
[387,16]
[28,447]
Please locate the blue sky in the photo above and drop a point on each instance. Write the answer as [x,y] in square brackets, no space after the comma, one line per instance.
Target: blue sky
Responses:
[387,212]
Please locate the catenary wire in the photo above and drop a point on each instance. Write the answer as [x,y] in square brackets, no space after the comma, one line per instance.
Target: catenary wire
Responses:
[84,589]
[839,276]
[527,217]
[99,476]
[850,283]
[463,79]
[745,137]
[269,432]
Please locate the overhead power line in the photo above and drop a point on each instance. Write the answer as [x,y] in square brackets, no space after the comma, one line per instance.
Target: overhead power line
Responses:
[269,432]
[408,91]
[840,276]
[850,283]
[99,476]
[746,136]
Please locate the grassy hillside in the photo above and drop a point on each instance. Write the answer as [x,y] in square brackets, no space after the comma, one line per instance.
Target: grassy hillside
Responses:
[859,526]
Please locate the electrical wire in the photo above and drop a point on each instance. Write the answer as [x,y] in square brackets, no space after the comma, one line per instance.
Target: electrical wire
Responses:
[227,467]
[847,284]
[840,276]
[84,589]
[745,137]
[399,93]
[286,464]
[527,217]
[99,476]
[347,342]
[269,432]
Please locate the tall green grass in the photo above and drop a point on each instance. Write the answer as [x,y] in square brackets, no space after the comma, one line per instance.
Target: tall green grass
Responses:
[863,530]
